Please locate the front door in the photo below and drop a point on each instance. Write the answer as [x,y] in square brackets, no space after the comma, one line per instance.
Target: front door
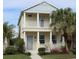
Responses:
[29,42]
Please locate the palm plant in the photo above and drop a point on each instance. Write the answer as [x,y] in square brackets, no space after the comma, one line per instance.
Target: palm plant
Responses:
[8,32]
[64,21]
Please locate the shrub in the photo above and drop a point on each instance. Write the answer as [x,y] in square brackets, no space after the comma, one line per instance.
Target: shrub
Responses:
[47,53]
[64,50]
[20,45]
[74,51]
[27,53]
[10,50]
[56,51]
[41,51]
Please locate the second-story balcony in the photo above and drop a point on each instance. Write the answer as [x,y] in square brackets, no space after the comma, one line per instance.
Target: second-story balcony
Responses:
[37,20]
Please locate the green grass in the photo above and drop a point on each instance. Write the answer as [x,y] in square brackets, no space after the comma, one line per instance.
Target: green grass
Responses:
[59,56]
[18,56]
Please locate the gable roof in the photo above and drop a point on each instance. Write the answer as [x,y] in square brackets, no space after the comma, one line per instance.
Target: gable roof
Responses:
[40,4]
[33,7]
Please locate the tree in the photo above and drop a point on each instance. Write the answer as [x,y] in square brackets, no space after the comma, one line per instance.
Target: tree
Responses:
[8,32]
[64,22]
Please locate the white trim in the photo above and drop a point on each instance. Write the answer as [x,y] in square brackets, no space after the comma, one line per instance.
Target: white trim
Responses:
[38,29]
[25,40]
[38,40]
[50,18]
[36,12]
[24,20]
[50,39]
[37,19]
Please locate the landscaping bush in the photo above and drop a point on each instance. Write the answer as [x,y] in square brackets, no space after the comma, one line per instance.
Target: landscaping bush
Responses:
[10,50]
[74,51]
[64,50]
[56,51]
[47,53]
[27,53]
[41,51]
[20,45]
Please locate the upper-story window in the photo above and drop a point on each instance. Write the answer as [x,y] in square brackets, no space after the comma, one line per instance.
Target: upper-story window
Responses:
[41,21]
[29,15]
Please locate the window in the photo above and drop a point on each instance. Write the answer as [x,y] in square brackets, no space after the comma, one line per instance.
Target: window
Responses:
[42,41]
[41,21]
[29,15]
[54,39]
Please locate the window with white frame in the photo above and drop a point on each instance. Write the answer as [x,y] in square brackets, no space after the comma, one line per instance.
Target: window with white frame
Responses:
[41,21]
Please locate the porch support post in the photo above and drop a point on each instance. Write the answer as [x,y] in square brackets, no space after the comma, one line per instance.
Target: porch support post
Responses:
[25,41]
[50,39]
[50,18]
[38,40]
[37,19]
[24,25]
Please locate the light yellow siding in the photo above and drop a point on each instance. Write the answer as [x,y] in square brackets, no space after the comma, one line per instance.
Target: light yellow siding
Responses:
[31,22]
[21,27]
[46,19]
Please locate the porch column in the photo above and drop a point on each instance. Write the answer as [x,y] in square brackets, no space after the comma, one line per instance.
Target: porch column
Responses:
[50,18]
[38,40]
[25,41]
[50,39]
[24,25]
[37,19]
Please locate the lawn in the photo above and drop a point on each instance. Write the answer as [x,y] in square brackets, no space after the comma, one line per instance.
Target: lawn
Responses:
[18,56]
[59,56]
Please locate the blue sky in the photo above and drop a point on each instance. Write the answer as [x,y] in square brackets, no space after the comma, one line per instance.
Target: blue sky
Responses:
[12,8]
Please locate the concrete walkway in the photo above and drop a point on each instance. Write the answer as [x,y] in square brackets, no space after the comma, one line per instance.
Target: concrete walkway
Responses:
[34,55]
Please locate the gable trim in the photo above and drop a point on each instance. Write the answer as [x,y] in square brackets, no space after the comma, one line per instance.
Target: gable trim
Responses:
[39,4]
[20,17]
[32,7]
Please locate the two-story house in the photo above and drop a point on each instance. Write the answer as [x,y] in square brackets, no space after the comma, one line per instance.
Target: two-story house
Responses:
[34,27]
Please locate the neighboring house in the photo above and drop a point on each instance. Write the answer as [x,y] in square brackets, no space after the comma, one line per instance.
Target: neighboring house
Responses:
[34,27]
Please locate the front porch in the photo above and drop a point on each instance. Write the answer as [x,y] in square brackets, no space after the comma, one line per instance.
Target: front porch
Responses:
[35,40]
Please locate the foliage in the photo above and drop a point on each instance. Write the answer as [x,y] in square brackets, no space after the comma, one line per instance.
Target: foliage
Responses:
[8,31]
[59,56]
[10,50]
[64,22]
[27,53]
[56,51]
[64,49]
[20,45]
[64,19]
[17,56]
[74,51]
[41,51]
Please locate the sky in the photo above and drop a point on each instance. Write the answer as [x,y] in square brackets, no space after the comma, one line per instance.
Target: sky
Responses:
[13,8]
